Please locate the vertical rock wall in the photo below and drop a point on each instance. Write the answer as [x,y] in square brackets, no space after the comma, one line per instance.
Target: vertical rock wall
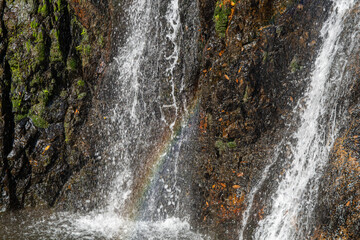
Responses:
[53,53]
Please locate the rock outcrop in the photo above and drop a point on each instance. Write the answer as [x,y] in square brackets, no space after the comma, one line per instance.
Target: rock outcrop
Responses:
[53,55]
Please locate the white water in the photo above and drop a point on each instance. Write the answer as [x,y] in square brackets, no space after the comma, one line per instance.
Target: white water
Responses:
[142,62]
[109,226]
[136,80]
[292,205]
[127,85]
[174,23]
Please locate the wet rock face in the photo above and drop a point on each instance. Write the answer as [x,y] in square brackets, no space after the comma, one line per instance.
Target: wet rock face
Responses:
[253,70]
[338,206]
[52,56]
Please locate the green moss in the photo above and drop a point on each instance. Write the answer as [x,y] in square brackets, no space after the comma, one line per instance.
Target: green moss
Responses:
[57,33]
[294,65]
[19,117]
[79,48]
[87,49]
[35,81]
[245,98]
[41,54]
[265,57]
[55,51]
[80,83]
[43,9]
[16,72]
[63,94]
[81,96]
[45,96]
[220,146]
[221,18]
[16,104]
[34,24]
[67,130]
[37,109]
[39,121]
[59,5]
[231,144]
[101,41]
[84,34]
[72,64]
[39,37]
[28,46]
[55,55]
[84,48]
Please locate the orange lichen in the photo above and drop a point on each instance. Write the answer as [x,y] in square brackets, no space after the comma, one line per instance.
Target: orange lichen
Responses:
[203,123]
[345,172]
[227,202]
[46,148]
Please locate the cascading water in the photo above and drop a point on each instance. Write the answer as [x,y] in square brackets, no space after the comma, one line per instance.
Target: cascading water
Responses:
[290,209]
[150,124]
[147,132]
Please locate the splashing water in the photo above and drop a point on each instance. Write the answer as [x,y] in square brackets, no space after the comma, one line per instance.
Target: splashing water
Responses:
[292,205]
[43,225]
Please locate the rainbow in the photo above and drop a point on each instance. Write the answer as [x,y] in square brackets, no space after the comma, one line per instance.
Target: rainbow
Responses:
[144,183]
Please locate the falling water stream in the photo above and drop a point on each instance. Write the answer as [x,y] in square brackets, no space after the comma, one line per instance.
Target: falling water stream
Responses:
[289,212]
[147,131]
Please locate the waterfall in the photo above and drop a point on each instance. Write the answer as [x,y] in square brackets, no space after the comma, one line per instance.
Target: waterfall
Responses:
[149,121]
[146,127]
[289,214]
[151,113]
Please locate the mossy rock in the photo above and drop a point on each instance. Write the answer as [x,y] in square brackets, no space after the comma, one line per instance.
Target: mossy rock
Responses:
[220,146]
[221,17]
[81,83]
[43,9]
[72,64]
[294,65]
[16,104]
[81,96]
[231,144]
[39,121]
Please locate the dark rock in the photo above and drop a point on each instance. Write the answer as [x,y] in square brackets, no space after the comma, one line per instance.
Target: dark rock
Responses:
[45,50]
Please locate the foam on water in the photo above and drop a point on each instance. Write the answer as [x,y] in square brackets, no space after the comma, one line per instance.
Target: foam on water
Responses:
[43,225]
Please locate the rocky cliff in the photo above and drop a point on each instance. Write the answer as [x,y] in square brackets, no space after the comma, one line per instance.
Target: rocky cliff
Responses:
[53,55]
